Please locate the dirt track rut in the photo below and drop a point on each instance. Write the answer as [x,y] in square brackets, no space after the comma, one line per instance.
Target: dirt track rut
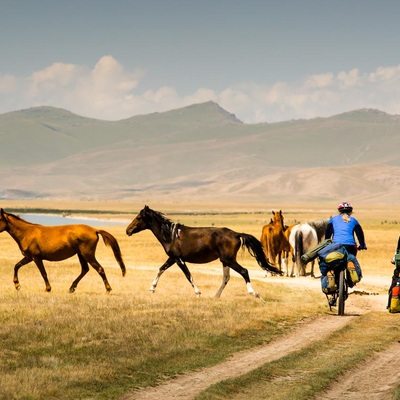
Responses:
[188,386]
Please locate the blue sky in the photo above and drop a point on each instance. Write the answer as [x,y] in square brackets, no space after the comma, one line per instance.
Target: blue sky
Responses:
[265,61]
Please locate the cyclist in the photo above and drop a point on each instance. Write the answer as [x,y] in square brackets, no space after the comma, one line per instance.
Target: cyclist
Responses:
[396,273]
[343,228]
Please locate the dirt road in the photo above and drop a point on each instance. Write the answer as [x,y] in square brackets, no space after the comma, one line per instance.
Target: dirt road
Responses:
[380,383]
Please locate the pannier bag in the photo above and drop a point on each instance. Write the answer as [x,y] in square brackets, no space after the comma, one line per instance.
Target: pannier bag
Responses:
[332,256]
[354,277]
[397,261]
[328,283]
[394,304]
[394,290]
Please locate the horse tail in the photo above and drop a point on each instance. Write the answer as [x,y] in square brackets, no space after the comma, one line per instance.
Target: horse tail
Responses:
[264,241]
[299,250]
[109,240]
[256,250]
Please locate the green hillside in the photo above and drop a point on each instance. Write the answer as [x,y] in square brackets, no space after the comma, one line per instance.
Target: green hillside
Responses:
[200,150]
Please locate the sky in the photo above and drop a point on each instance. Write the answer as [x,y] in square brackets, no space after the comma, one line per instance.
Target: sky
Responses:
[264,61]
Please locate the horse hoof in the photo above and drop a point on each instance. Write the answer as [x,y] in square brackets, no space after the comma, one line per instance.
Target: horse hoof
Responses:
[18,287]
[72,290]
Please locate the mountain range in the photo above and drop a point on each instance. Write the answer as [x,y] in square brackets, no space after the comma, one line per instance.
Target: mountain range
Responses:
[199,153]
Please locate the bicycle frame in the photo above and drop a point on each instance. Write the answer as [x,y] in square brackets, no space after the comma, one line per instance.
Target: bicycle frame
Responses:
[339,296]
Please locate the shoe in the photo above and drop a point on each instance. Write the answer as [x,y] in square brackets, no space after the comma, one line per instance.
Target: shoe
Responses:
[332,302]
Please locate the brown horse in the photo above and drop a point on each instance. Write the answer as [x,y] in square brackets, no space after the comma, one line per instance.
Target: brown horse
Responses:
[199,245]
[56,243]
[274,240]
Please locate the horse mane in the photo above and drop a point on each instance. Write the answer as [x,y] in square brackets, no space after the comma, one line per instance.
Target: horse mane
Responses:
[167,226]
[320,226]
[18,218]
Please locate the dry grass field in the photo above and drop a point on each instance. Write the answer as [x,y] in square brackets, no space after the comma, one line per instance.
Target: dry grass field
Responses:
[90,345]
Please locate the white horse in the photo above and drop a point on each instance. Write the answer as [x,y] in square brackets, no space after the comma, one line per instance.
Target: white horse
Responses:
[303,238]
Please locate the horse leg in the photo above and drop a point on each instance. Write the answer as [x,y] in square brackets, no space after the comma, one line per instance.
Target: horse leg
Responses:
[40,265]
[312,268]
[293,273]
[84,271]
[245,274]
[182,265]
[24,261]
[285,261]
[100,270]
[280,260]
[161,270]
[225,279]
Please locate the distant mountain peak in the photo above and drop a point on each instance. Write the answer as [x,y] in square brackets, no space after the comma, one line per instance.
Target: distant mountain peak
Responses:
[367,114]
[44,113]
[207,113]
[209,109]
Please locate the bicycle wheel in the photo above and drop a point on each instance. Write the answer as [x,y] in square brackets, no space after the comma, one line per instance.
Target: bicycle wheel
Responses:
[342,292]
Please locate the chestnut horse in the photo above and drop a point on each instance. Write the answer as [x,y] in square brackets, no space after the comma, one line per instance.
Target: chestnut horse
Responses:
[274,240]
[56,243]
[199,245]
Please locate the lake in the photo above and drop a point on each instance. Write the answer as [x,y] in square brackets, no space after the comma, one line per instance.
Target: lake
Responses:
[54,219]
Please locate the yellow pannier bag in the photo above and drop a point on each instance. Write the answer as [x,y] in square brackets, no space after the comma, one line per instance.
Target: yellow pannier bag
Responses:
[335,255]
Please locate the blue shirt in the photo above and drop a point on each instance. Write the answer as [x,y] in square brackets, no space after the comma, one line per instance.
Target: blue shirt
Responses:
[343,227]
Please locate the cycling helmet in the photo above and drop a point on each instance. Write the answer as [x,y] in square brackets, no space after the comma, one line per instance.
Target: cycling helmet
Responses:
[345,207]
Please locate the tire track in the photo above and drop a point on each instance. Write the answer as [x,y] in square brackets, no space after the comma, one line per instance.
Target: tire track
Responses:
[188,386]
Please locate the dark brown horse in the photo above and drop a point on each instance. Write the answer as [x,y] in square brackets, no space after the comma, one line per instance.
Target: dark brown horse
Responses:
[199,245]
[56,243]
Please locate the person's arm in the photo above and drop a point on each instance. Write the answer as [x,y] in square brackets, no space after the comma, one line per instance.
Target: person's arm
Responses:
[398,246]
[360,236]
[329,230]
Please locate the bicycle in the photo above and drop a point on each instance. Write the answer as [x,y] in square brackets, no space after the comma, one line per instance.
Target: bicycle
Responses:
[338,297]
[339,271]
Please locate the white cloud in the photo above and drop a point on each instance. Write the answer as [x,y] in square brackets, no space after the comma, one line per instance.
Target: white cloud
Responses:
[348,79]
[384,74]
[8,84]
[319,81]
[108,91]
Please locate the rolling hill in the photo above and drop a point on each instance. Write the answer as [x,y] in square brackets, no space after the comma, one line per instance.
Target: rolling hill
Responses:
[199,153]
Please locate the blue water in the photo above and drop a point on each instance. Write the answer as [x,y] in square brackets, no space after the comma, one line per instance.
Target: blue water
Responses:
[52,220]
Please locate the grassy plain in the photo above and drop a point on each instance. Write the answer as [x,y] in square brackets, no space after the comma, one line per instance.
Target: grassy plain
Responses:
[90,345]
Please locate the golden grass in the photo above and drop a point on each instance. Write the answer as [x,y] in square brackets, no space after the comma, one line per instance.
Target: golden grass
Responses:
[90,345]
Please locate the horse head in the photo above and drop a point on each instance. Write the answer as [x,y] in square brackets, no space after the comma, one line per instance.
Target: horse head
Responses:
[140,222]
[278,218]
[3,220]
[147,219]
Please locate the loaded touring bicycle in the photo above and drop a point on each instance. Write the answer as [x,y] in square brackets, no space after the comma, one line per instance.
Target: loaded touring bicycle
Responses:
[339,272]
